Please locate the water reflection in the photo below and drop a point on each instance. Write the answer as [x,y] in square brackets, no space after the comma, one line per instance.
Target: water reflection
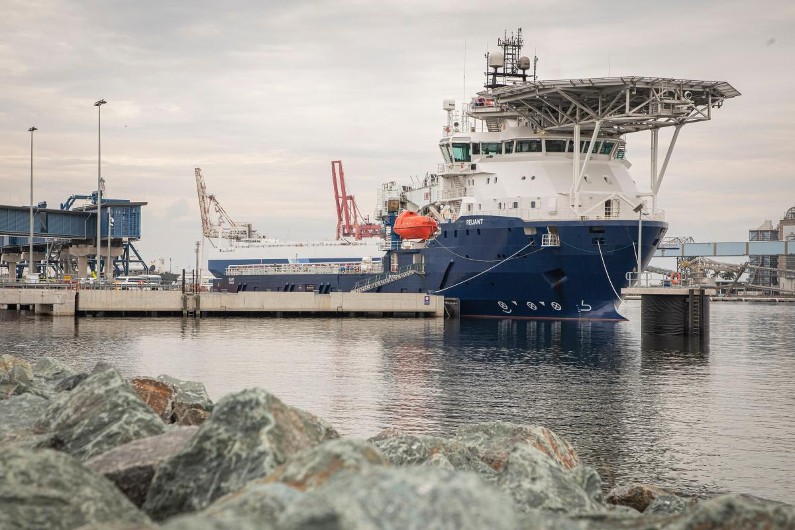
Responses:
[702,415]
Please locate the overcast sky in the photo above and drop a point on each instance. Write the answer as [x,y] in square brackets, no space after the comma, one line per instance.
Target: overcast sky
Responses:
[262,95]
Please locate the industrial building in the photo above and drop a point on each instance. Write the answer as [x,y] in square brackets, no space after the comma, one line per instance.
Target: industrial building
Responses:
[773,273]
[65,239]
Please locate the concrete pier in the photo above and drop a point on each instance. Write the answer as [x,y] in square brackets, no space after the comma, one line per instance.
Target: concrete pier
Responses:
[673,310]
[66,302]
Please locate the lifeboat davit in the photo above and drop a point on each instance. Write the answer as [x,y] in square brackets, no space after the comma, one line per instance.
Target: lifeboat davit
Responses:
[409,225]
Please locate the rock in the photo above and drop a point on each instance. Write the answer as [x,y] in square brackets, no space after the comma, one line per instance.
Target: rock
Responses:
[189,395]
[230,449]
[69,383]
[200,522]
[118,526]
[16,377]
[18,417]
[492,442]
[637,496]
[667,505]
[132,466]
[157,394]
[312,468]
[536,482]
[261,502]
[52,369]
[417,497]
[48,489]
[590,481]
[407,449]
[735,512]
[255,507]
[189,416]
[99,414]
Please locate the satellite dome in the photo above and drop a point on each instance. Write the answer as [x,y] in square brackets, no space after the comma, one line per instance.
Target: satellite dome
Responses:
[524,63]
[496,60]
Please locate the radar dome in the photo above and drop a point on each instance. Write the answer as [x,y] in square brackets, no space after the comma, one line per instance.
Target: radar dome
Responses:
[448,104]
[524,63]
[496,60]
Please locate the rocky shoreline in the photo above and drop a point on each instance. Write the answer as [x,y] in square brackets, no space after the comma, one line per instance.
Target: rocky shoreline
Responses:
[95,451]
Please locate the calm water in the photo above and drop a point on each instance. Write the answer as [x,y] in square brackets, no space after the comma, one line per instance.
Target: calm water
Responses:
[700,418]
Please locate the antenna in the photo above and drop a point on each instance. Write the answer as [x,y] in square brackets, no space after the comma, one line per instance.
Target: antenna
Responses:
[464,94]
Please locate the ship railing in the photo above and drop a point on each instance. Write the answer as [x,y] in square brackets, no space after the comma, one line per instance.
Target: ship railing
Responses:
[356,267]
[383,279]
[543,214]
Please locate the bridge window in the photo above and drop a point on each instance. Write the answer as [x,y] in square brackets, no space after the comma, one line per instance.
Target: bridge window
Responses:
[584,147]
[556,146]
[475,149]
[528,146]
[508,147]
[491,148]
[607,148]
[461,153]
[446,153]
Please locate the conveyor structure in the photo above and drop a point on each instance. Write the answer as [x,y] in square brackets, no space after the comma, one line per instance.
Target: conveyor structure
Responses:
[64,240]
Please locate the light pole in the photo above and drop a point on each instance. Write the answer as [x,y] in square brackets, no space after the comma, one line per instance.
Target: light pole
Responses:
[98,105]
[30,249]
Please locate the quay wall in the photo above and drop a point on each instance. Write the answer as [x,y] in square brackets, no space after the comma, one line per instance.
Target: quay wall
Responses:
[71,302]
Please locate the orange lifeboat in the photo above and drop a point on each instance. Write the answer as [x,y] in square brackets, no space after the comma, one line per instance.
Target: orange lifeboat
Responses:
[409,225]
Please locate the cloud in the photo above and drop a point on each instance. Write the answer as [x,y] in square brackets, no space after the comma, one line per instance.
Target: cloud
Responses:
[262,95]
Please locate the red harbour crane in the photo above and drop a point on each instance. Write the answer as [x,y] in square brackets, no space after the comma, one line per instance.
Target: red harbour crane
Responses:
[350,222]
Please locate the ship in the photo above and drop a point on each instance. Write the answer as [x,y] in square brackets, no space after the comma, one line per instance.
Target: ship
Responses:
[532,212]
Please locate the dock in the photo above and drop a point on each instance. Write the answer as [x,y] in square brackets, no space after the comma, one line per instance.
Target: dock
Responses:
[109,302]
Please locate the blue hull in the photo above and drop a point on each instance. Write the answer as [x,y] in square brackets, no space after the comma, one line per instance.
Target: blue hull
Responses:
[498,268]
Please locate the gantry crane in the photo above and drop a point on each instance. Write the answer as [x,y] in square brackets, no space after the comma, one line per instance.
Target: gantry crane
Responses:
[348,215]
[224,227]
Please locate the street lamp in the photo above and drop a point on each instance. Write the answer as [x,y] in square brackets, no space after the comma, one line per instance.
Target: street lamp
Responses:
[98,105]
[30,249]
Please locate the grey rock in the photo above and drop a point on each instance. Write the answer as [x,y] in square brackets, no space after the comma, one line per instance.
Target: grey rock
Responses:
[667,505]
[18,417]
[407,449]
[52,369]
[735,512]
[189,416]
[637,496]
[311,468]
[601,521]
[260,502]
[106,525]
[189,395]
[590,481]
[492,442]
[255,507]
[48,489]
[402,498]
[230,449]
[536,482]
[200,522]
[101,413]
[16,377]
[69,383]
[132,466]
[101,366]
